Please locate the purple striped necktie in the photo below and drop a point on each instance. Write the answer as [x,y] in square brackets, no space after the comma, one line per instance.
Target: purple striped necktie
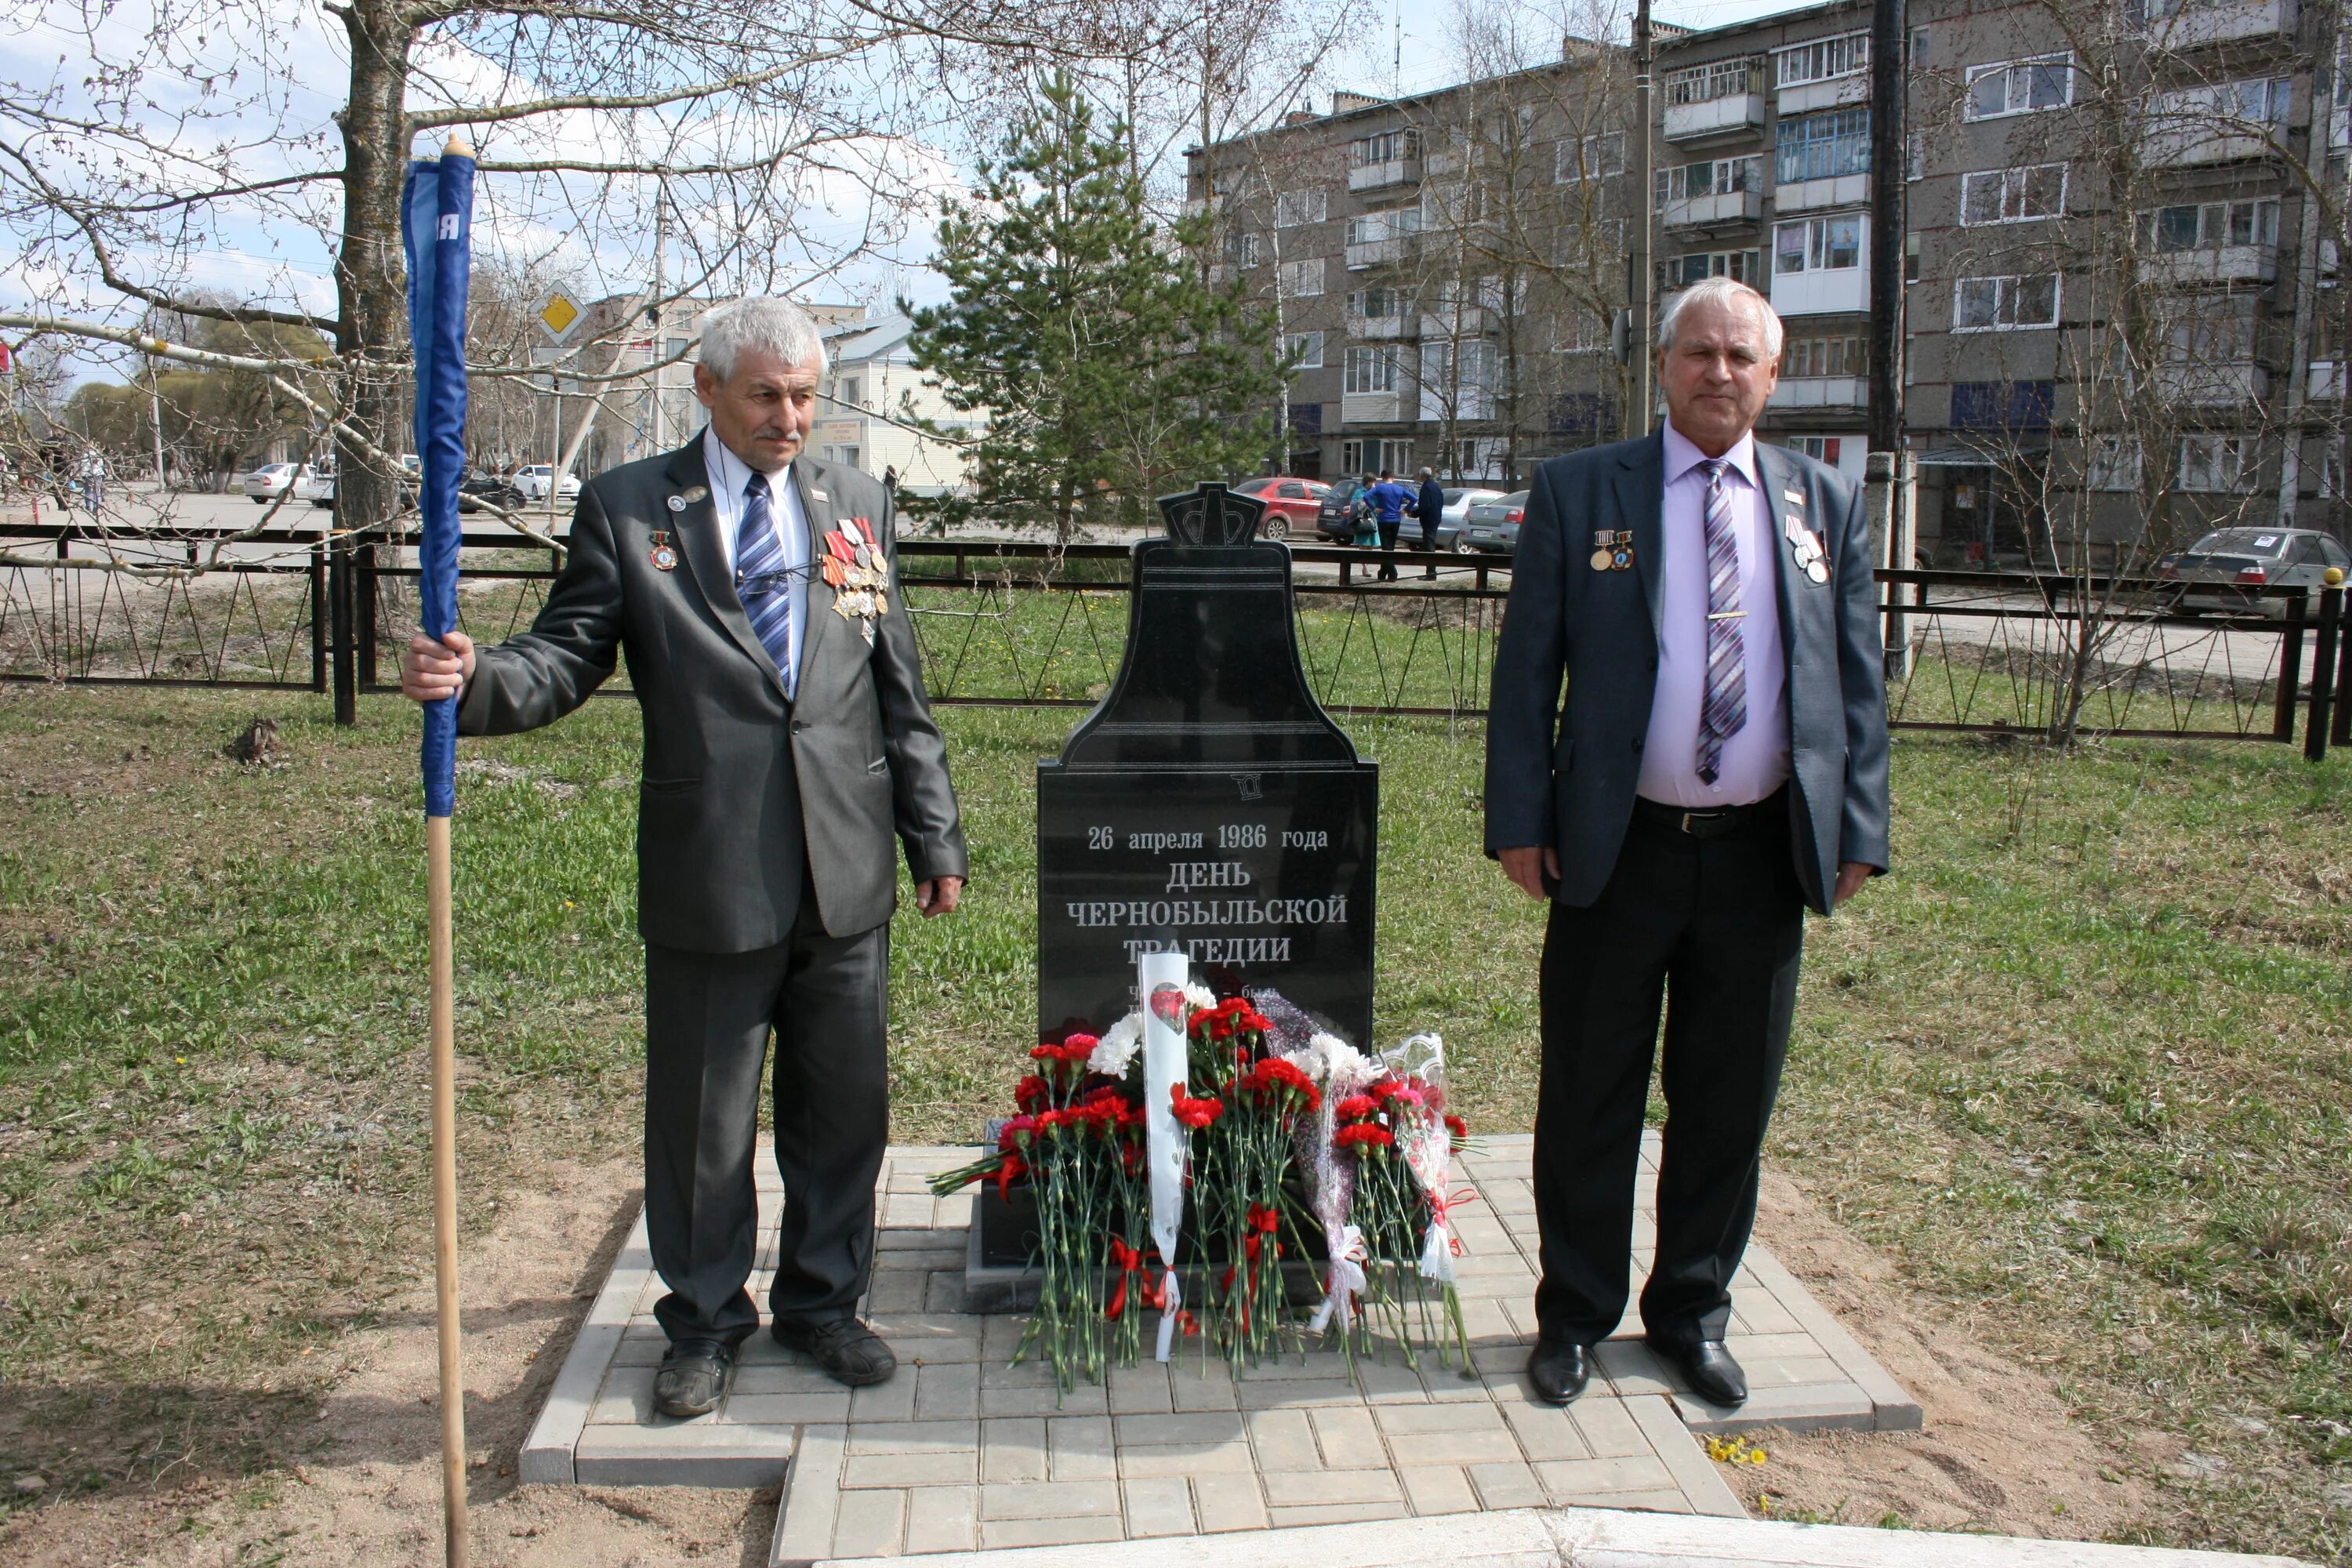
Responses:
[1724,713]
[760,580]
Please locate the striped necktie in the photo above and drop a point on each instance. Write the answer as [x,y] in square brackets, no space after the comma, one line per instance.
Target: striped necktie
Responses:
[1724,713]
[761,579]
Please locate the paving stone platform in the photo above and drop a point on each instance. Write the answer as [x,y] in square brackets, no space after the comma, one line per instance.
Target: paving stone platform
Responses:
[964,1450]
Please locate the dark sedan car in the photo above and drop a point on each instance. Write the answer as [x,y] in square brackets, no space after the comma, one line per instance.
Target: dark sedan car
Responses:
[2214,572]
[1493,526]
[1335,519]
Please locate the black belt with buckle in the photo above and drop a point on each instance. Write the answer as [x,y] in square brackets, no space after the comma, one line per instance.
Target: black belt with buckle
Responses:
[1715,822]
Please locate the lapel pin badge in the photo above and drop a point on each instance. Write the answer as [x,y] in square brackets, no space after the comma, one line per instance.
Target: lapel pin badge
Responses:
[675,503]
[697,492]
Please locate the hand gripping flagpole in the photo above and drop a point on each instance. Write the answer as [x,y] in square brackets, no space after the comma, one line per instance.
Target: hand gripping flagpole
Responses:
[437,212]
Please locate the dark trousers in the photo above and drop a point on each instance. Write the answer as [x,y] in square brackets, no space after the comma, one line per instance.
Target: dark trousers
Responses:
[707,1017]
[1713,929]
[1388,541]
[1429,540]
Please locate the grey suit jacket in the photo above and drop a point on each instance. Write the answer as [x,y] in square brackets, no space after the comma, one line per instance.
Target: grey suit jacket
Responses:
[1563,774]
[741,787]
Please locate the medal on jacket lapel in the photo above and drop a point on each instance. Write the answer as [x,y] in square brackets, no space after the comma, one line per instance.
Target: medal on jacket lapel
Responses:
[1613,549]
[663,555]
[1806,547]
[854,570]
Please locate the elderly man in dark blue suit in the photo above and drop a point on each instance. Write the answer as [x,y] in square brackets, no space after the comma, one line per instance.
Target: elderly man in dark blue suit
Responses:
[1718,767]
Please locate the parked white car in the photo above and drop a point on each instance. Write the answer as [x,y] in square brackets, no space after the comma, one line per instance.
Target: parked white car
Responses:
[272,480]
[317,487]
[531,482]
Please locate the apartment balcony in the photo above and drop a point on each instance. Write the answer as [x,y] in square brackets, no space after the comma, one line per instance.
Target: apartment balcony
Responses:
[2222,264]
[2325,380]
[1386,252]
[2213,384]
[1821,392]
[2189,138]
[1729,116]
[1838,191]
[1370,408]
[2199,23]
[1384,175]
[1196,206]
[1838,92]
[1705,212]
[1383,327]
[1825,291]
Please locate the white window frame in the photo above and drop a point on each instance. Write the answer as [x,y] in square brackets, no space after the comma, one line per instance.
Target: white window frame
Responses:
[1578,160]
[1367,368]
[2010,187]
[2114,464]
[2006,288]
[1820,448]
[1295,276]
[2021,72]
[1743,266]
[1725,175]
[1307,346]
[1816,245]
[1852,350]
[1734,77]
[2213,225]
[1309,203]
[2207,456]
[1822,59]
[1395,146]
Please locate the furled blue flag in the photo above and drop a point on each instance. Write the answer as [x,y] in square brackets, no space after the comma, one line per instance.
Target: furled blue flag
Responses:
[435,229]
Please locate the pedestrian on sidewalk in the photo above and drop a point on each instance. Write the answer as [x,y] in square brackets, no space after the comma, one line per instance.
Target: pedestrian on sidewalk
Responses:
[1389,500]
[1709,778]
[1431,508]
[788,744]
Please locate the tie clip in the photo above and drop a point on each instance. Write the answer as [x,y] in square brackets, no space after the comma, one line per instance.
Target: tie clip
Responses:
[1725,615]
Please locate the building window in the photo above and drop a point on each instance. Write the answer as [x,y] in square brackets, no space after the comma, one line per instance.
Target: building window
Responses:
[1595,157]
[2003,304]
[1825,356]
[1817,245]
[1739,265]
[1717,78]
[2114,464]
[1911,257]
[2215,465]
[1302,280]
[1304,349]
[1368,456]
[2013,195]
[1822,146]
[2203,334]
[1292,208]
[2005,406]
[1914,157]
[853,390]
[1820,449]
[1720,176]
[1388,147]
[1241,249]
[1370,228]
[1823,60]
[2209,225]
[2019,87]
[1380,304]
[1370,370]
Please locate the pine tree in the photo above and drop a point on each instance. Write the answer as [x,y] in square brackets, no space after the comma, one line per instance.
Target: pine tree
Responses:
[1106,370]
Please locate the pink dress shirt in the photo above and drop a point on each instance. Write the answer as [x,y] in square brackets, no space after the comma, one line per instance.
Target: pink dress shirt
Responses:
[1754,761]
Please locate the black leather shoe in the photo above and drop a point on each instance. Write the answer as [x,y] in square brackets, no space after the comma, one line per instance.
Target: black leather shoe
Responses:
[1706,1365]
[1560,1369]
[847,1350]
[693,1377]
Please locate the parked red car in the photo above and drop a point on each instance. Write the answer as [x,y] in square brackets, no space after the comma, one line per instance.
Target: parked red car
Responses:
[1289,503]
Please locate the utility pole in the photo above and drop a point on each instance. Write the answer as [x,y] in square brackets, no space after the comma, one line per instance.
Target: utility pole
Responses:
[1637,260]
[1889,474]
[155,416]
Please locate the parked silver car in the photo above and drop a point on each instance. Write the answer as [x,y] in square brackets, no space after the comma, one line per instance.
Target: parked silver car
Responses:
[1493,526]
[2216,571]
[271,480]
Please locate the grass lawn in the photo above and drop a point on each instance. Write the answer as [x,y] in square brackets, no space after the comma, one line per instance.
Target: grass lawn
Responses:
[2084,1070]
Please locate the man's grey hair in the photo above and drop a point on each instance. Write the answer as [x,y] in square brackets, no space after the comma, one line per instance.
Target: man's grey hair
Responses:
[1727,292]
[760,321]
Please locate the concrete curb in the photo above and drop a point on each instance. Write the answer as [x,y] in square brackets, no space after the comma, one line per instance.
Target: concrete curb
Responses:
[1586,1538]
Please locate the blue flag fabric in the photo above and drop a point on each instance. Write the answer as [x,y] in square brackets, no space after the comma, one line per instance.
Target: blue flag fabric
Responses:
[435,229]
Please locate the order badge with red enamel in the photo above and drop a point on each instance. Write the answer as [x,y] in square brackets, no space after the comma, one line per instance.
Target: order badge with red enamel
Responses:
[664,555]
[854,569]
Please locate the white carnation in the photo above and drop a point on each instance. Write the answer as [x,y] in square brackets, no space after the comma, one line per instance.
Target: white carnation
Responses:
[1199,998]
[1346,1069]
[1116,1049]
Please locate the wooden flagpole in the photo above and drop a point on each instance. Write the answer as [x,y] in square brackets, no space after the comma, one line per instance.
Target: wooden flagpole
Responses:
[445,1186]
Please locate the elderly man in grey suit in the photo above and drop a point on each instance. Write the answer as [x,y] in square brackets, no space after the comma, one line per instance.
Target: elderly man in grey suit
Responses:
[1718,767]
[787,740]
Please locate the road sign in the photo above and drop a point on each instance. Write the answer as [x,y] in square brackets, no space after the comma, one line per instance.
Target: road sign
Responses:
[557,313]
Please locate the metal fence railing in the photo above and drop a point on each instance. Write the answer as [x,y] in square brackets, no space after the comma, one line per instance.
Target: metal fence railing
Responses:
[1020,623]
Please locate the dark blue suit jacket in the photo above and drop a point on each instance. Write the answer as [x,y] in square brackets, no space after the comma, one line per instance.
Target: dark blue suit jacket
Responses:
[1563,773]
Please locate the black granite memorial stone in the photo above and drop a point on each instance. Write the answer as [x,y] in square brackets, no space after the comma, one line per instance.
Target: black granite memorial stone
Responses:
[1208,805]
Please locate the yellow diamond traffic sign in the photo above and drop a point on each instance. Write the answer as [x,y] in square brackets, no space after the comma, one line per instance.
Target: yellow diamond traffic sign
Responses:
[557,314]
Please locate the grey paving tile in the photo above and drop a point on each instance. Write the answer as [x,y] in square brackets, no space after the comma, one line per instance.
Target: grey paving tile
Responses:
[913,1438]
[1334,1513]
[936,1468]
[1187,1459]
[1011,1532]
[1437,1489]
[1509,1484]
[1047,1499]
[1013,1448]
[1295,1489]
[1228,1502]
[812,1497]
[1159,1505]
[1078,1449]
[870,1524]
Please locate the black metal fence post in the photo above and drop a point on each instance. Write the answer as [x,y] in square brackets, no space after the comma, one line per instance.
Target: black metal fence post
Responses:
[339,600]
[363,617]
[2322,672]
[2340,732]
[319,615]
[2290,674]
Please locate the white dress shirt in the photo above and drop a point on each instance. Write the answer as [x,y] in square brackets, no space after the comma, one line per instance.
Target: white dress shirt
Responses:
[730,476]
[1755,759]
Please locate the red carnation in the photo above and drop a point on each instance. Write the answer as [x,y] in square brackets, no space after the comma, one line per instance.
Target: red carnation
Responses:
[1356,1107]
[1031,1093]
